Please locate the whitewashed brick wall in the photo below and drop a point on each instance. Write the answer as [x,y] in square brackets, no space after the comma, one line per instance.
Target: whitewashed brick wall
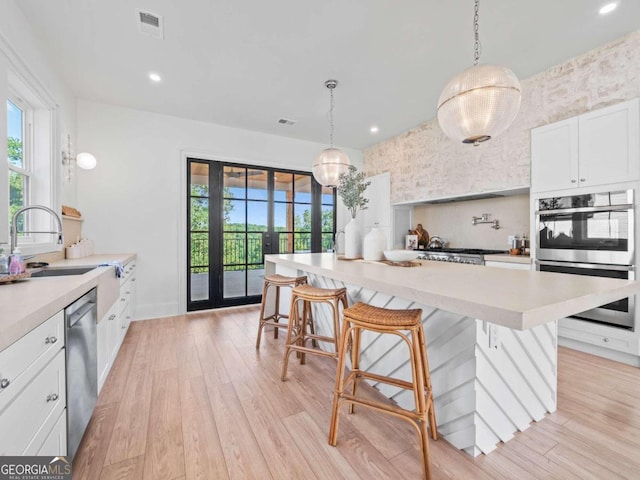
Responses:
[425,164]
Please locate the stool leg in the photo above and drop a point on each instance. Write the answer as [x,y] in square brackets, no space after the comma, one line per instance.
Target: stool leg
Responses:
[339,386]
[427,381]
[293,319]
[417,370]
[265,290]
[306,308]
[355,363]
[276,318]
[312,327]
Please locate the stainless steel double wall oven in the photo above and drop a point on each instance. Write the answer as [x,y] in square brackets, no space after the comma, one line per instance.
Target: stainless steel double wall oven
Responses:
[590,234]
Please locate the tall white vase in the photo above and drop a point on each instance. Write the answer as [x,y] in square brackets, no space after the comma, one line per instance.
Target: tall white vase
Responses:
[373,245]
[352,240]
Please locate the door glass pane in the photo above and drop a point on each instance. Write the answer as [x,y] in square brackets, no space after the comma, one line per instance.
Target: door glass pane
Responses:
[327,195]
[234,250]
[200,214]
[327,218]
[327,242]
[301,242]
[234,282]
[199,284]
[282,215]
[302,218]
[257,216]
[257,187]
[254,248]
[199,179]
[283,187]
[255,279]
[303,188]
[286,243]
[234,215]
[234,182]
[199,246]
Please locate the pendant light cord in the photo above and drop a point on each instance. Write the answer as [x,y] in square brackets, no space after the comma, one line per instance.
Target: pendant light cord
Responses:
[476,34]
[331,103]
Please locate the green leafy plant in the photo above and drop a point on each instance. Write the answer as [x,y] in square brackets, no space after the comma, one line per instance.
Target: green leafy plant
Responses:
[350,188]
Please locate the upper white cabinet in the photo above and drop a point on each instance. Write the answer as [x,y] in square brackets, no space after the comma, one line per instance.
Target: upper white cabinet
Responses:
[596,148]
[378,211]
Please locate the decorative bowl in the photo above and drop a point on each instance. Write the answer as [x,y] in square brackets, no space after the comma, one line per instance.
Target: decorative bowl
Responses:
[400,255]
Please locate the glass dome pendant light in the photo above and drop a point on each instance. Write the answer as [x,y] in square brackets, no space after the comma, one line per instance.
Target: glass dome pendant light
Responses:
[332,161]
[480,102]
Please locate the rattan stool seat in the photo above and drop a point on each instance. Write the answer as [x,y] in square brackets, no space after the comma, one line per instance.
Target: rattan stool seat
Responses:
[277,281]
[365,314]
[307,290]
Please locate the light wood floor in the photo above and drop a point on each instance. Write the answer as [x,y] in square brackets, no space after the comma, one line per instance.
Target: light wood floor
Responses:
[190,398]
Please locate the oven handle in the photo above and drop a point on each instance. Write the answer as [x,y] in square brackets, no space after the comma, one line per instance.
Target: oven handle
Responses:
[609,208]
[593,266]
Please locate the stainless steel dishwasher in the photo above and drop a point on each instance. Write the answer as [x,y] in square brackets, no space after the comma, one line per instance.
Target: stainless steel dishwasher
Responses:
[82,367]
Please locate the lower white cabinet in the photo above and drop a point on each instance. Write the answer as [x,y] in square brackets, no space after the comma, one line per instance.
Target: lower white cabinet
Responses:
[33,412]
[114,325]
[56,442]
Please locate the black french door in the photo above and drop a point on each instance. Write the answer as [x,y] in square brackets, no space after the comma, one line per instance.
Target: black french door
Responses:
[239,213]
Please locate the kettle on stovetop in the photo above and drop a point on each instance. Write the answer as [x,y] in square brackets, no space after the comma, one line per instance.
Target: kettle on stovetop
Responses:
[436,242]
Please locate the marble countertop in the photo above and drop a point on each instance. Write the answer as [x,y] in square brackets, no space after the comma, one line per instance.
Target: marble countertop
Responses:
[517,299]
[26,304]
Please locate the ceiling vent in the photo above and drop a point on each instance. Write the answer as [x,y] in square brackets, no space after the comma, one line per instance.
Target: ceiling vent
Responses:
[150,24]
[286,121]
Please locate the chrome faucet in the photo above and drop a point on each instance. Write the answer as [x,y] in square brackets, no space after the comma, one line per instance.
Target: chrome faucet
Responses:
[495,224]
[14,224]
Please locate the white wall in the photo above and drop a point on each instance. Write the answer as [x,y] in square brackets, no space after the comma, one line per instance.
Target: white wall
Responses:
[23,56]
[132,201]
[452,221]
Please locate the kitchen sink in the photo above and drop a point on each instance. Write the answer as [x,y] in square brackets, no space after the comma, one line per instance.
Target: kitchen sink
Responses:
[61,271]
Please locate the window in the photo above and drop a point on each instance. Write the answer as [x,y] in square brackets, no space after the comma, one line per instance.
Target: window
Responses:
[31,172]
[18,157]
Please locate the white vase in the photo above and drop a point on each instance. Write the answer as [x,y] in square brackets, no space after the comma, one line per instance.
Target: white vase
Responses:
[374,245]
[352,240]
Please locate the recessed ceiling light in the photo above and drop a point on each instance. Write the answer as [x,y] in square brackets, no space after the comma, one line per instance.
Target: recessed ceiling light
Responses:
[608,8]
[154,77]
[374,129]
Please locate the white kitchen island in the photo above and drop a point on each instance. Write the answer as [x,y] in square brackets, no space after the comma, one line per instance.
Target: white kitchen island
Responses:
[491,335]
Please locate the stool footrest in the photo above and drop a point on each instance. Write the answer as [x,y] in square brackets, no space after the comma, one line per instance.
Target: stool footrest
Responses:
[315,351]
[380,378]
[382,407]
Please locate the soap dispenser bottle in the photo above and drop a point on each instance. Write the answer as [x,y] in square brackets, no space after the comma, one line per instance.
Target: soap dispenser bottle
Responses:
[16,264]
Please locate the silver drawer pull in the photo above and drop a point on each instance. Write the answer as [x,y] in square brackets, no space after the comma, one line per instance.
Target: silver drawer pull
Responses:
[128,293]
[133,279]
[52,398]
[123,299]
[51,339]
[124,326]
[112,317]
[4,383]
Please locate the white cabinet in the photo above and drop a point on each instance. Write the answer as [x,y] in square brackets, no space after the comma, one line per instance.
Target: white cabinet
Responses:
[596,148]
[32,391]
[114,325]
[378,212]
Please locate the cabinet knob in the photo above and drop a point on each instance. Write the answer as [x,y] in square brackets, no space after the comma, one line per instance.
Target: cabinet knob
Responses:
[123,299]
[133,279]
[128,293]
[605,340]
[124,326]
[4,383]
[573,180]
[51,339]
[112,317]
[583,179]
[52,398]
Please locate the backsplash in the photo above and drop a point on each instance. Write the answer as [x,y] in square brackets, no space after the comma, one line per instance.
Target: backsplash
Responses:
[452,221]
[71,230]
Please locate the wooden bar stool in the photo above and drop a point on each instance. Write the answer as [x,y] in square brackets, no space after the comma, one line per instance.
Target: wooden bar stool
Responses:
[276,281]
[297,334]
[366,317]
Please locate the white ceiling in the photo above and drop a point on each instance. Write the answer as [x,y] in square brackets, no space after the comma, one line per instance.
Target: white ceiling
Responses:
[247,63]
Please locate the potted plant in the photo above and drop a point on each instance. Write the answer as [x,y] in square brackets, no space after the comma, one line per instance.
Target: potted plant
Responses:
[351,187]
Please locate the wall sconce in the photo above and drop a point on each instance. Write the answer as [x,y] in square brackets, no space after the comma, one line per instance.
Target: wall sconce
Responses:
[84,160]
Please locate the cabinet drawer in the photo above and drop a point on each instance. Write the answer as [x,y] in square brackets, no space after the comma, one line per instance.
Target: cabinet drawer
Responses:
[128,272]
[599,339]
[34,411]
[20,362]
[55,445]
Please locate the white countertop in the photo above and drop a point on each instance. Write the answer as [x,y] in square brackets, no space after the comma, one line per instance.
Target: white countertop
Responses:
[26,304]
[517,299]
[506,258]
